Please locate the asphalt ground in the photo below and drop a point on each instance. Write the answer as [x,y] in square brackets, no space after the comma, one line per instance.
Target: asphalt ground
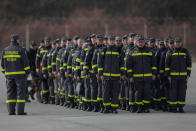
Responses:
[54,118]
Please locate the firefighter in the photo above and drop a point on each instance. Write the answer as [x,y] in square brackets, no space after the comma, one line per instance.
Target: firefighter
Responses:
[141,69]
[50,74]
[178,70]
[129,92]
[54,72]
[44,68]
[164,81]
[110,67]
[61,76]
[70,71]
[64,60]
[15,66]
[91,82]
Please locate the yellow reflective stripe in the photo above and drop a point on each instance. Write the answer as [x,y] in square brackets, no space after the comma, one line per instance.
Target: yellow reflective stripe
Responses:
[122,68]
[21,101]
[77,60]
[114,105]
[94,100]
[15,73]
[106,104]
[167,69]
[71,95]
[27,68]
[141,75]
[131,103]
[163,98]
[125,58]
[43,51]
[61,68]
[137,54]
[99,99]
[146,102]
[109,74]
[53,63]
[69,67]
[172,103]
[188,68]
[82,76]
[49,66]
[37,55]
[161,71]
[81,63]
[178,54]
[86,67]
[44,68]
[181,102]
[45,91]
[91,71]
[2,69]
[178,73]
[93,66]
[61,93]
[100,69]
[154,68]
[102,53]
[129,70]
[58,59]
[156,99]
[64,64]
[72,54]
[10,101]
[112,53]
[85,49]
[12,56]
[139,103]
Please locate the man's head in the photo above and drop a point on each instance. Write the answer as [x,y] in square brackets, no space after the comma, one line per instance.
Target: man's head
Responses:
[58,42]
[68,42]
[178,42]
[75,38]
[47,41]
[15,38]
[100,39]
[131,37]
[140,42]
[63,41]
[53,44]
[111,40]
[118,41]
[33,45]
[93,38]
[80,42]
[171,43]
[151,42]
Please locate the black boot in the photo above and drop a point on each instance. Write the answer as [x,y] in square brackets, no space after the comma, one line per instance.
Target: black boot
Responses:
[95,109]
[134,109]
[140,109]
[89,107]
[106,110]
[180,110]
[114,110]
[11,108]
[20,108]
[127,106]
[123,105]
[146,109]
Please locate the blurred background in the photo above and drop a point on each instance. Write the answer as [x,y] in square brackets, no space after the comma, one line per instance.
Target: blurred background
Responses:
[33,19]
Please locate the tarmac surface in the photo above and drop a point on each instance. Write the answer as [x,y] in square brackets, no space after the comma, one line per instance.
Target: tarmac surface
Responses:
[55,118]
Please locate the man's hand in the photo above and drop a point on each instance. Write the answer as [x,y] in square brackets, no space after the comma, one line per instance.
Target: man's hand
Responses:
[169,78]
[153,77]
[70,75]
[55,74]
[82,73]
[66,75]
[102,78]
[59,74]
[37,71]
[131,80]
[98,77]
[123,77]
[45,76]
[187,78]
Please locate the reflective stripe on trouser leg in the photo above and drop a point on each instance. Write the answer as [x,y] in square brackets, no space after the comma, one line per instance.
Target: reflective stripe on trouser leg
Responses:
[139,92]
[182,87]
[147,93]
[115,89]
[87,90]
[11,95]
[131,94]
[45,90]
[107,93]
[21,94]
[100,90]
[173,91]
[51,88]
[94,90]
